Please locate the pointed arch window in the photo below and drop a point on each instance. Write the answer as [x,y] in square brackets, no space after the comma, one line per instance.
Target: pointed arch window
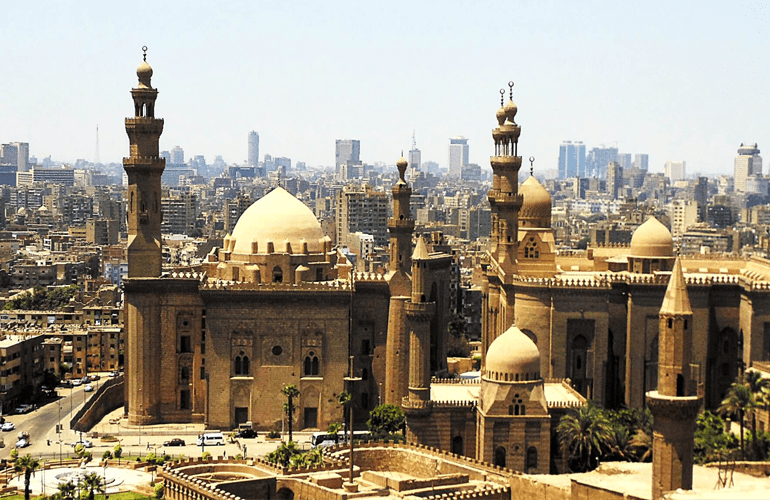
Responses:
[310,367]
[241,364]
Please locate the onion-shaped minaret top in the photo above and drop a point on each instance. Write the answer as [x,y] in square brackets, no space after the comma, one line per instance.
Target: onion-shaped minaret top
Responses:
[144,71]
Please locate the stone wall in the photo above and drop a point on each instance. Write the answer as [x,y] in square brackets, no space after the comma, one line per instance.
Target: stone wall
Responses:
[108,398]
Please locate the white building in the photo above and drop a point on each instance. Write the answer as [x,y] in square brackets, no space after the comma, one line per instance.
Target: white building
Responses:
[674,170]
[458,155]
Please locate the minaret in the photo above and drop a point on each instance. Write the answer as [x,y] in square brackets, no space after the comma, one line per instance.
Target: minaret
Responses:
[401,225]
[676,403]
[144,168]
[504,197]
[418,314]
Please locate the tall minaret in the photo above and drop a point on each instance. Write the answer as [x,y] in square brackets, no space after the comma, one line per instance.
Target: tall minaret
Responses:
[418,314]
[401,225]
[144,168]
[504,197]
[676,403]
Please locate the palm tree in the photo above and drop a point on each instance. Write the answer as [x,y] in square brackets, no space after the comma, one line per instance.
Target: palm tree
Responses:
[739,400]
[67,490]
[618,445]
[291,392]
[758,387]
[26,464]
[93,482]
[582,433]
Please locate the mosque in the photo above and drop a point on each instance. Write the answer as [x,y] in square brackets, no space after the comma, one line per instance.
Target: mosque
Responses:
[277,304]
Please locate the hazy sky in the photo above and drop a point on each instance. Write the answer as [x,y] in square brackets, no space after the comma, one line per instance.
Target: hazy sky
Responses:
[677,80]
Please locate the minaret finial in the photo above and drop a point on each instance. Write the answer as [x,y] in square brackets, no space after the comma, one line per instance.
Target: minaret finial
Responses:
[531,165]
[502,97]
[144,56]
[510,85]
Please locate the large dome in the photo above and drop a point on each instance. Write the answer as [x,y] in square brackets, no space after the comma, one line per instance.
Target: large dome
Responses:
[652,239]
[277,217]
[513,357]
[536,207]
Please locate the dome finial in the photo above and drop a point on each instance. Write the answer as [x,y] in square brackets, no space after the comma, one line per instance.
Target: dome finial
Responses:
[510,85]
[144,50]
[531,165]
[502,97]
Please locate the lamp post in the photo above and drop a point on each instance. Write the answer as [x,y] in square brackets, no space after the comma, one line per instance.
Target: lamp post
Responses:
[349,381]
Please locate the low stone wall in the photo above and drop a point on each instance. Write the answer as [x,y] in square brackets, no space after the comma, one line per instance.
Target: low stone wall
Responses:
[582,491]
[108,398]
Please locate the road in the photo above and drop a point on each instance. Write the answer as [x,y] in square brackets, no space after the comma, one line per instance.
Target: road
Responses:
[45,442]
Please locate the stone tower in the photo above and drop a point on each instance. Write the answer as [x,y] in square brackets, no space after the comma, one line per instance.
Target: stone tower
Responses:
[401,225]
[676,403]
[419,312]
[144,167]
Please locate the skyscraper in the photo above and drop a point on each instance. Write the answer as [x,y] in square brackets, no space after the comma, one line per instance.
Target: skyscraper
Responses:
[748,163]
[253,154]
[17,154]
[597,161]
[414,157]
[675,170]
[572,159]
[347,151]
[458,155]
[177,155]
[641,160]
[614,179]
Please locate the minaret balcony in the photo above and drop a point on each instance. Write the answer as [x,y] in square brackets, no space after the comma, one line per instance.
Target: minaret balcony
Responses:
[401,223]
[505,163]
[144,124]
[503,200]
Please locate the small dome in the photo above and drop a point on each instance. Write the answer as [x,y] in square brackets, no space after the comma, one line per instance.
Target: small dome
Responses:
[500,115]
[652,239]
[401,165]
[513,357]
[277,216]
[536,207]
[144,72]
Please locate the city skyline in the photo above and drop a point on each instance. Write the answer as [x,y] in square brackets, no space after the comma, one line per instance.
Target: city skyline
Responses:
[378,74]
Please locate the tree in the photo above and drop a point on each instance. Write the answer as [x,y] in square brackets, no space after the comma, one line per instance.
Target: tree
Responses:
[738,401]
[92,482]
[758,387]
[291,392]
[711,440]
[344,399]
[67,490]
[582,433]
[117,452]
[27,465]
[334,430]
[386,420]
[282,455]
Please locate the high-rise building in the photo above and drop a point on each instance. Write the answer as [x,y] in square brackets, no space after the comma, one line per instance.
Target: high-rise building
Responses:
[253,153]
[458,155]
[177,155]
[361,209]
[641,161]
[415,158]
[614,179]
[625,160]
[674,170]
[597,161]
[347,151]
[748,163]
[16,154]
[572,159]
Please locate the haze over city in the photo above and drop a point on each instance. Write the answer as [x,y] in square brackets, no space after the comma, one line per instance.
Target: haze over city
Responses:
[680,81]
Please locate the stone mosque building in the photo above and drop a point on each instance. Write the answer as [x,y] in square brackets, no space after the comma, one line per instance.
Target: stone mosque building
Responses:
[276,304]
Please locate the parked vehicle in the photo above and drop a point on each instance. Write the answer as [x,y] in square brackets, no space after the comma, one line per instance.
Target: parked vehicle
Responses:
[211,438]
[88,388]
[23,409]
[174,442]
[76,382]
[246,433]
[7,426]
[85,442]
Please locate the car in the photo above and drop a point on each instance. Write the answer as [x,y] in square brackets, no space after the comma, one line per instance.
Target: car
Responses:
[113,374]
[246,433]
[85,442]
[23,409]
[94,377]
[85,379]
[88,388]
[7,426]
[76,382]
[174,442]
[22,443]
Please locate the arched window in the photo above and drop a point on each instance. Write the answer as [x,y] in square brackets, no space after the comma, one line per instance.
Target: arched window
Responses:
[500,457]
[310,366]
[241,364]
[531,459]
[277,274]
[245,370]
[530,249]
[238,365]
[185,374]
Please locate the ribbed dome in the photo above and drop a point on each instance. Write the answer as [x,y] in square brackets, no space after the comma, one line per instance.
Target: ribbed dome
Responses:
[652,239]
[277,217]
[536,208]
[513,357]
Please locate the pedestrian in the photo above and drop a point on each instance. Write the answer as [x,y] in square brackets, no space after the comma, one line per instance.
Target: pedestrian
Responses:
[48,442]
[148,446]
[224,454]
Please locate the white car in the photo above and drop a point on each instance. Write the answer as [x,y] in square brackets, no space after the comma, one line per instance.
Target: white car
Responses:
[22,443]
[86,443]
[8,426]
[76,382]
[88,388]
